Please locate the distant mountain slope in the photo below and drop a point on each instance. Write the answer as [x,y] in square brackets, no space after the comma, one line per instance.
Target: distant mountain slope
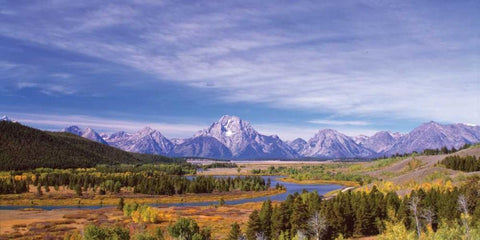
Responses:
[146,140]
[297,145]
[433,135]
[88,133]
[330,144]
[202,146]
[380,141]
[23,147]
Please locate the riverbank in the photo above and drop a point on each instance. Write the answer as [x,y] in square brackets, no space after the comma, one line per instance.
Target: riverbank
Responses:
[318,181]
[53,199]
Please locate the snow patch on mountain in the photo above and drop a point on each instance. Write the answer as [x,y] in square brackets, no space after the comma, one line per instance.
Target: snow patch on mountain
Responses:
[232,138]
[433,135]
[88,133]
[331,144]
[245,142]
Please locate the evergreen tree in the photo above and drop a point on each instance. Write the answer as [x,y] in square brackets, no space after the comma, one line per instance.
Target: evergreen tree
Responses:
[266,219]
[280,220]
[78,190]
[235,232]
[254,225]
[121,203]
[299,217]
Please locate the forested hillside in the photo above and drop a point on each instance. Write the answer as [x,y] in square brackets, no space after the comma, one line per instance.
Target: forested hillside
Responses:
[24,147]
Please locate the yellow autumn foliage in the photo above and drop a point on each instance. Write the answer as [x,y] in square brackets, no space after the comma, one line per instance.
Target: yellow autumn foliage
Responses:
[146,214]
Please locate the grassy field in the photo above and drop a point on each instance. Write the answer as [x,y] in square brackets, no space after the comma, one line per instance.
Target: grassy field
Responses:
[56,223]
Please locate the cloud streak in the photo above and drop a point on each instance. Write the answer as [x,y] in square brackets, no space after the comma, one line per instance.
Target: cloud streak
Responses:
[57,122]
[351,59]
[339,122]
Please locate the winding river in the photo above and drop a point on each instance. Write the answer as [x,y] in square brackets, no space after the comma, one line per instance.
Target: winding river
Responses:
[291,189]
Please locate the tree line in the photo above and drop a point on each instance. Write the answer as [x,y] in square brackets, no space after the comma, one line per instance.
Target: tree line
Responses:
[11,185]
[444,150]
[146,182]
[466,164]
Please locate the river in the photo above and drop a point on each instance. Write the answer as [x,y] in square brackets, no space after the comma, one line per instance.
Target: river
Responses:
[291,189]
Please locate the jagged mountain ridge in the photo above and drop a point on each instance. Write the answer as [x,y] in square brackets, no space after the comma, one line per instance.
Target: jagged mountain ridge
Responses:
[147,140]
[380,141]
[233,138]
[202,146]
[331,144]
[88,133]
[245,142]
[298,144]
[433,135]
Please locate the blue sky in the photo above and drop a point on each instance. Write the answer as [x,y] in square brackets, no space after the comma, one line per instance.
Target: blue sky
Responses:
[289,68]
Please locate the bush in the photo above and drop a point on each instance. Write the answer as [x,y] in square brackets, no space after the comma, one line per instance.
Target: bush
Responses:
[93,232]
[187,229]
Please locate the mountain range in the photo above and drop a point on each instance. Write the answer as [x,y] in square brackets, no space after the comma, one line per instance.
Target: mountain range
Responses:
[233,138]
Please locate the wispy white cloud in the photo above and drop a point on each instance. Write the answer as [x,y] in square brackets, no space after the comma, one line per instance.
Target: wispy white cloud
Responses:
[61,75]
[338,122]
[392,60]
[58,122]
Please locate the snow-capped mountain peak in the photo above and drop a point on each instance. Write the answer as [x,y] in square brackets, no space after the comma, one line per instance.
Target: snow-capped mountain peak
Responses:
[5,118]
[74,130]
[329,143]
[244,141]
[146,130]
[88,133]
[92,135]
[298,144]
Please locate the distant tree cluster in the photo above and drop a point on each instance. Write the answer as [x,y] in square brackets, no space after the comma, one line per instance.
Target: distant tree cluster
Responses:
[466,164]
[151,181]
[314,173]
[349,214]
[444,150]
[170,185]
[13,186]
[168,169]
[220,165]
[429,151]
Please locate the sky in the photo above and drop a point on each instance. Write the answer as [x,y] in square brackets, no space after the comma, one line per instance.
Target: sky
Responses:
[288,67]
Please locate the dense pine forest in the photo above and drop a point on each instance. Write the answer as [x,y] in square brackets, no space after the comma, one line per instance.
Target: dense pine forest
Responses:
[466,164]
[24,148]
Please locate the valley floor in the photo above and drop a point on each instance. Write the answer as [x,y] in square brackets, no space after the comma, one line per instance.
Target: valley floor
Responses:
[401,174]
[66,197]
[56,223]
